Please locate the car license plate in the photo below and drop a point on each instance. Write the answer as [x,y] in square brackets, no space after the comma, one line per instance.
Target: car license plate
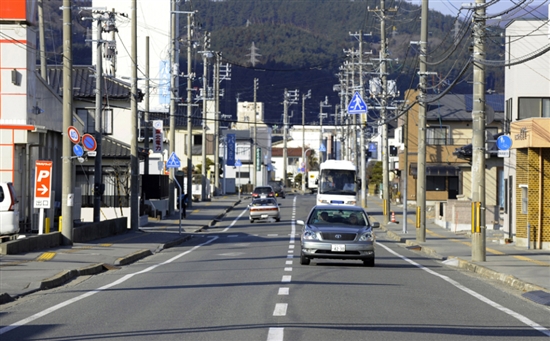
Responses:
[338,248]
[264,216]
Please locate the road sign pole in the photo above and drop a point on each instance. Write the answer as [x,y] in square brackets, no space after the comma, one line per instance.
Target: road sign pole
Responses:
[41,221]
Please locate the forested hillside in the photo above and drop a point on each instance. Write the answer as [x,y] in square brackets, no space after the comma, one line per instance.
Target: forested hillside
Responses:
[300,45]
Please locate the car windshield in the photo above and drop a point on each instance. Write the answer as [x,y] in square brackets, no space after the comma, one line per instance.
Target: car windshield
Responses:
[340,217]
[333,181]
[264,202]
[262,190]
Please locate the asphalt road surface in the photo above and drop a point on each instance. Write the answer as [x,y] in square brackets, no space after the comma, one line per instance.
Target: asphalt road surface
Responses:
[242,281]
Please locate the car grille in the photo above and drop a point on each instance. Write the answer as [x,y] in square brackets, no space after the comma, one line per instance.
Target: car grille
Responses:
[338,236]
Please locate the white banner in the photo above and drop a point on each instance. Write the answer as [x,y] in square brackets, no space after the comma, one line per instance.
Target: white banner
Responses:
[157,136]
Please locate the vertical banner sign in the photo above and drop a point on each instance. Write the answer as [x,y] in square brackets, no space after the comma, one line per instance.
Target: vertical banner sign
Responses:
[164,82]
[230,150]
[157,136]
[258,159]
[42,184]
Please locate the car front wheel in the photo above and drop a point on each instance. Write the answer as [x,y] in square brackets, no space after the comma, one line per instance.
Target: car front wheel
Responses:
[304,260]
[369,262]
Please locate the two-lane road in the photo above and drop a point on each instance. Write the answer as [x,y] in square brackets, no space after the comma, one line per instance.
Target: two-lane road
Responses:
[243,281]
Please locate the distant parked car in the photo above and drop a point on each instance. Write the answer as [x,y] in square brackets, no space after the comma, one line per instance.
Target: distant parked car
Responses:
[9,209]
[264,209]
[279,190]
[263,192]
[337,232]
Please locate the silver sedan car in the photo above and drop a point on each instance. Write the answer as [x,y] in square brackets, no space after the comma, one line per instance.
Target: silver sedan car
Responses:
[264,209]
[337,232]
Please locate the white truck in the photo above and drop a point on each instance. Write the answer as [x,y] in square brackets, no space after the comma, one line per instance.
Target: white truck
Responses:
[312,177]
[338,183]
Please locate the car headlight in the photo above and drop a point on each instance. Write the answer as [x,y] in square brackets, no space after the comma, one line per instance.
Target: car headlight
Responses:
[324,201]
[366,237]
[310,235]
[351,202]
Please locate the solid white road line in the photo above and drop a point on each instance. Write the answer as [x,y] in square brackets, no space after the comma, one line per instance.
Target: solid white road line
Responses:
[235,221]
[480,297]
[98,290]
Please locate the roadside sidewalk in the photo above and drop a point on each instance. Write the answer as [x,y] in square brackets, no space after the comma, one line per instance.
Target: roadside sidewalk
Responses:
[520,268]
[23,274]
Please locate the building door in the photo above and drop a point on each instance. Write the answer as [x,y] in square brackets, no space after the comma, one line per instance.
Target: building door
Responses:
[452,187]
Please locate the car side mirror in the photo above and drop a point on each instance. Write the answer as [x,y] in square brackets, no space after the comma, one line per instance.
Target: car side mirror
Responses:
[359,182]
[375,225]
[300,222]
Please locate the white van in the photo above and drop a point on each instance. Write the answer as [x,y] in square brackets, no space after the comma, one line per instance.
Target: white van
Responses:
[9,209]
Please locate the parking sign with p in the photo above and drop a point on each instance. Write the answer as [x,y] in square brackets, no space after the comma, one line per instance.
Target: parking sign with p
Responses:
[42,184]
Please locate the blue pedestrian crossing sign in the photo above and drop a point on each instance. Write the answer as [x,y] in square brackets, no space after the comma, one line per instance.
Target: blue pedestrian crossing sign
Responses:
[173,161]
[322,148]
[238,163]
[357,105]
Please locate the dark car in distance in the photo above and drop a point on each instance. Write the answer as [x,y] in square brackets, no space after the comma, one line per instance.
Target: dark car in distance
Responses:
[279,189]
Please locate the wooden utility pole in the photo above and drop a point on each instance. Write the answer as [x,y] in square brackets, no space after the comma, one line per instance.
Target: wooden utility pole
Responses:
[134,161]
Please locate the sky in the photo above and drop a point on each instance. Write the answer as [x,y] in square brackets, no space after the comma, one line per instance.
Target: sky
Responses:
[451,7]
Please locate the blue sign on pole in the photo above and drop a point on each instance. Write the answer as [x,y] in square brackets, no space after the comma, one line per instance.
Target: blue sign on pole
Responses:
[230,159]
[78,151]
[173,161]
[238,163]
[504,142]
[357,105]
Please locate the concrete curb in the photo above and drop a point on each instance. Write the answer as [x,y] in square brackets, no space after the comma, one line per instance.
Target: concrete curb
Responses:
[59,279]
[506,279]
[133,257]
[509,280]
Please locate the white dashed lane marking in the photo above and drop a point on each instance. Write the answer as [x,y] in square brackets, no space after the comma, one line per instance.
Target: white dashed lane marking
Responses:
[283,291]
[286,279]
[280,309]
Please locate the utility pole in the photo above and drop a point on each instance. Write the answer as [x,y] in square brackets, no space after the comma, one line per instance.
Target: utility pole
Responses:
[189,189]
[383,112]
[42,38]
[206,54]
[216,122]
[254,137]
[146,109]
[67,195]
[478,139]
[405,171]
[174,70]
[421,159]
[134,162]
[290,98]
[98,171]
[322,104]
[362,163]
[304,97]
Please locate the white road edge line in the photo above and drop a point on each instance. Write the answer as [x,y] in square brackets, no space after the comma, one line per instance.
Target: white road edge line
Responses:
[480,297]
[235,221]
[98,290]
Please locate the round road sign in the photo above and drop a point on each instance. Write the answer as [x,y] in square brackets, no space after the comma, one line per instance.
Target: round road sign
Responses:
[89,142]
[74,135]
[78,151]
[504,142]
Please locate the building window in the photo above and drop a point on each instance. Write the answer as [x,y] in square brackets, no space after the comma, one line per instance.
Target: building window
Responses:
[508,116]
[533,107]
[88,118]
[436,183]
[437,135]
[524,196]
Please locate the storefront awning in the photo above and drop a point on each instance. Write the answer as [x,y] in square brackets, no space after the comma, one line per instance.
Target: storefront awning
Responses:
[436,169]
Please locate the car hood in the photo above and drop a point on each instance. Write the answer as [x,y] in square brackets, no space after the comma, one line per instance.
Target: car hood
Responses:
[339,229]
